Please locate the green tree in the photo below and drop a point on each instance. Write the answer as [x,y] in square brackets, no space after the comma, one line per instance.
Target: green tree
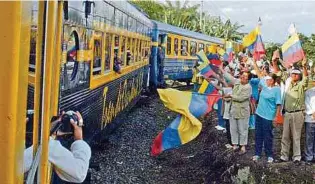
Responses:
[270,48]
[181,14]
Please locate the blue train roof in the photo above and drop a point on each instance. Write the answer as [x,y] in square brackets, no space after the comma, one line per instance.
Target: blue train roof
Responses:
[166,28]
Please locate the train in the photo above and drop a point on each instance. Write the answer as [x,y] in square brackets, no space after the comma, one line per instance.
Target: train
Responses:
[73,47]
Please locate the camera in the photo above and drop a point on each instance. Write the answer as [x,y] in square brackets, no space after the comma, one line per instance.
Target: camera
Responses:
[65,121]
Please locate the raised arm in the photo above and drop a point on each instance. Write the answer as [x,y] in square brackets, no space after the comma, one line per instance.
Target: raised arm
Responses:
[256,68]
[305,79]
[228,77]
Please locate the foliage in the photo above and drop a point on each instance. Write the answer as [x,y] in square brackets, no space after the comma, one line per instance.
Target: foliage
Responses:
[270,48]
[181,14]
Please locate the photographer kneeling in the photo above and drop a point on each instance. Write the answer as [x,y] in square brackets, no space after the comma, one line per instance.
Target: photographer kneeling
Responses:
[70,165]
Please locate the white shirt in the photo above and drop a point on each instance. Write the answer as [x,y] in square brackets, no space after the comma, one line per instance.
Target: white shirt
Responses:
[310,105]
[227,103]
[70,166]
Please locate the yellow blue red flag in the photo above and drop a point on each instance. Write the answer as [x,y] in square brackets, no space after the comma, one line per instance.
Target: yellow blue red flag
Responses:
[250,39]
[204,69]
[292,50]
[186,126]
[207,88]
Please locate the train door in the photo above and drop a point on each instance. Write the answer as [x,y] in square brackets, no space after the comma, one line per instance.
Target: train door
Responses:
[161,57]
[15,46]
[44,84]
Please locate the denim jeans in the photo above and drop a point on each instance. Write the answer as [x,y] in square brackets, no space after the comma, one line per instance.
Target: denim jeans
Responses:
[221,121]
[309,141]
[263,136]
[252,120]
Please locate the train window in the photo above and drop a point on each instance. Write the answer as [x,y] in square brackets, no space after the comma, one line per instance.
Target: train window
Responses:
[140,50]
[193,48]
[108,52]
[70,69]
[134,25]
[135,50]
[143,47]
[109,13]
[97,56]
[176,46]
[184,48]
[129,20]
[116,49]
[118,18]
[200,46]
[129,56]
[168,45]
[125,21]
[123,51]
[32,50]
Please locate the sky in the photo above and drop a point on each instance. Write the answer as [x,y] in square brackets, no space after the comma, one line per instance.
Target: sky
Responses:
[276,16]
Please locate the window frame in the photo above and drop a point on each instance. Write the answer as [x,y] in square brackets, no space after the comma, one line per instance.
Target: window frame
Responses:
[111,53]
[181,41]
[97,70]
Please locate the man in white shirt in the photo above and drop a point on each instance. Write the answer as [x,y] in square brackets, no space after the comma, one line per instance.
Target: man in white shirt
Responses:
[310,125]
[70,165]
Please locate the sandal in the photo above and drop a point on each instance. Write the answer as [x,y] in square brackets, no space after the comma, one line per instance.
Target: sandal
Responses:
[242,152]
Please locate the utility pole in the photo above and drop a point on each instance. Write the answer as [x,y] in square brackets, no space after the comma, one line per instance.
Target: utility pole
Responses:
[200,19]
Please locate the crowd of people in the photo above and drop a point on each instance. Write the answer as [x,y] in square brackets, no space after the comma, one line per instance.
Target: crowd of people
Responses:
[262,94]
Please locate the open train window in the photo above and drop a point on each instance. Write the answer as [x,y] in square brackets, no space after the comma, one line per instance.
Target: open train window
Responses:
[129,55]
[140,50]
[108,51]
[201,46]
[116,50]
[193,48]
[71,67]
[133,51]
[184,48]
[168,46]
[136,47]
[176,46]
[123,50]
[97,56]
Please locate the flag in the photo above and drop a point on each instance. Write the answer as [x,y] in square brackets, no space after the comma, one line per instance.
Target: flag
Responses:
[207,88]
[222,53]
[229,50]
[214,59]
[250,39]
[186,126]
[292,51]
[212,49]
[204,69]
[259,48]
[202,56]
[253,41]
